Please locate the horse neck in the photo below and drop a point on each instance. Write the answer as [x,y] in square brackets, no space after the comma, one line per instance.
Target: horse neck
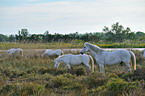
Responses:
[93,53]
[60,59]
[95,49]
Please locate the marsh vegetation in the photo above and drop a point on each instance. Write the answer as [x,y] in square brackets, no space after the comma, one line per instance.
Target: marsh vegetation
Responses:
[35,76]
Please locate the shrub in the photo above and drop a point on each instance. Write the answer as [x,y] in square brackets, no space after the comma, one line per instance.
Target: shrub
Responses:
[118,86]
[29,77]
[117,74]
[7,72]
[22,74]
[42,70]
[46,77]
[93,80]
[31,88]
[78,71]
[2,80]
[9,89]
[138,74]
[75,86]
[53,71]
[34,69]
[60,80]
[96,79]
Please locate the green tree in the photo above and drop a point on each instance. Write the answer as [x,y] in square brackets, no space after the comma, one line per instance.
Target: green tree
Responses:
[3,38]
[22,35]
[117,33]
[139,34]
[12,38]
[142,38]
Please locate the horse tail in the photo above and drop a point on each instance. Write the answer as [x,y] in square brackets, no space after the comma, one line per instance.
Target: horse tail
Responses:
[92,64]
[133,60]
[21,53]
[62,53]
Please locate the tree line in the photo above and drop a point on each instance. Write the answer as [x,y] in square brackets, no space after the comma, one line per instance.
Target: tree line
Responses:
[117,33]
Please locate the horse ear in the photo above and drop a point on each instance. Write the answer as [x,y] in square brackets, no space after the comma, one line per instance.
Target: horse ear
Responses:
[86,43]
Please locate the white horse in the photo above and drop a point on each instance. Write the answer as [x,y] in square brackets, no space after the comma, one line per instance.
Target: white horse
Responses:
[70,59]
[144,53]
[52,53]
[15,52]
[103,57]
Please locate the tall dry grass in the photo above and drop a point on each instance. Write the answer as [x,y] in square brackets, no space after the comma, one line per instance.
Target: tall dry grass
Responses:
[72,44]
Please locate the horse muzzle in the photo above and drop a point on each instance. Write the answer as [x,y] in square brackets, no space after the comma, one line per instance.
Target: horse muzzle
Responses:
[55,67]
[82,53]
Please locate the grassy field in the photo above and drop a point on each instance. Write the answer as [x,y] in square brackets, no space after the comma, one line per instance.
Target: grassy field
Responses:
[32,75]
[70,45]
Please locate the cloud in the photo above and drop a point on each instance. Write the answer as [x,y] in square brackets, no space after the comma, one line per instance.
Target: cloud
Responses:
[71,15]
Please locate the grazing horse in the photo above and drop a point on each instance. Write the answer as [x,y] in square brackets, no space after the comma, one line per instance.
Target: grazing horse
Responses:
[103,57]
[52,53]
[70,59]
[15,52]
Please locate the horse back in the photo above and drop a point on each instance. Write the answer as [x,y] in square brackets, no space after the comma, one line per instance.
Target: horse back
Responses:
[114,57]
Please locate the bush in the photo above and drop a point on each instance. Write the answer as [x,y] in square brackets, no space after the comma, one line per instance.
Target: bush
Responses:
[60,80]
[119,86]
[53,71]
[46,77]
[117,74]
[78,71]
[9,89]
[7,72]
[34,69]
[95,80]
[138,74]
[74,86]
[31,89]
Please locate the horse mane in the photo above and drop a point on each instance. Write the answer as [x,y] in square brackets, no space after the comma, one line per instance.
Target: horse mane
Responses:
[61,56]
[94,47]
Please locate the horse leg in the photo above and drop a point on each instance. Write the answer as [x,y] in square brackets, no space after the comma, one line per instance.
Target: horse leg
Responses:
[101,68]
[128,67]
[65,67]
[88,66]
[68,66]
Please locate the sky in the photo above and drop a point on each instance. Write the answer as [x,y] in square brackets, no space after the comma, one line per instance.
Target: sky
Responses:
[70,16]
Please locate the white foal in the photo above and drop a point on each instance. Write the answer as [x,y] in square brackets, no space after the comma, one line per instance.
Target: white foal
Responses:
[70,59]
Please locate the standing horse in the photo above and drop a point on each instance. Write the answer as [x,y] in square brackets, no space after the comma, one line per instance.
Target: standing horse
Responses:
[70,59]
[103,57]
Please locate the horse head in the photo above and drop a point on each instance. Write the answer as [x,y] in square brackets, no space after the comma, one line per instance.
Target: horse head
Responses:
[56,64]
[85,49]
